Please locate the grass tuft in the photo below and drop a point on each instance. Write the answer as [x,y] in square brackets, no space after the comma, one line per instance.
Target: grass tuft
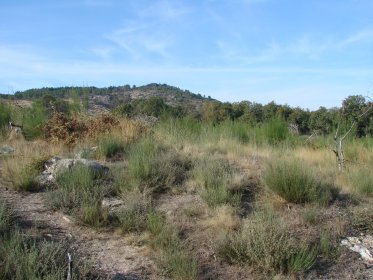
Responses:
[78,193]
[215,180]
[296,183]
[264,242]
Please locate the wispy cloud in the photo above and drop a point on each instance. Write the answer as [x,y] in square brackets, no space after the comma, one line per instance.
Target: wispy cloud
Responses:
[138,41]
[306,46]
[148,31]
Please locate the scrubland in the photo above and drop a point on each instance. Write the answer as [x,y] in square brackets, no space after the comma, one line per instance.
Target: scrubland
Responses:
[228,200]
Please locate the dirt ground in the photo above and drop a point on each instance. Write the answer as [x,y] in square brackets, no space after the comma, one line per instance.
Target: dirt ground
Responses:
[109,252]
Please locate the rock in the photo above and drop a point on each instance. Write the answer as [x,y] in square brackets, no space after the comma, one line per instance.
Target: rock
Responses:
[113,205]
[85,153]
[6,150]
[56,164]
[362,245]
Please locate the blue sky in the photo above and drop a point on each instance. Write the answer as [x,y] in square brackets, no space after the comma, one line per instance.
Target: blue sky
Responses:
[303,53]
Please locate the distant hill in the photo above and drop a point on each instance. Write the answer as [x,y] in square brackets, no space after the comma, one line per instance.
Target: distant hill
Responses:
[107,98]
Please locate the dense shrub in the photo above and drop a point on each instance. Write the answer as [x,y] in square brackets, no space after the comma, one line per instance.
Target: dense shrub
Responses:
[214,178]
[264,242]
[61,128]
[296,183]
[156,168]
[33,120]
[78,192]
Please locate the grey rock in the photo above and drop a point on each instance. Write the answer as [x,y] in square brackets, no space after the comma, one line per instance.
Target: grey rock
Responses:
[6,149]
[56,164]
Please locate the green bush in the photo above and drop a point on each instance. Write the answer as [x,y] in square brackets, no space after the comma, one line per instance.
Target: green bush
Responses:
[303,259]
[33,120]
[214,178]
[78,193]
[327,248]
[265,243]
[296,183]
[155,168]
[110,147]
[274,131]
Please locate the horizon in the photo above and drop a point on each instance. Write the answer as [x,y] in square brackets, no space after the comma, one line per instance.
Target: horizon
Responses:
[304,54]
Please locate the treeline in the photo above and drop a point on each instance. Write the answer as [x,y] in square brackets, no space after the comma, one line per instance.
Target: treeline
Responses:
[322,121]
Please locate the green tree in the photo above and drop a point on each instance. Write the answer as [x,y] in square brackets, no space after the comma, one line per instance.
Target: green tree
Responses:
[321,120]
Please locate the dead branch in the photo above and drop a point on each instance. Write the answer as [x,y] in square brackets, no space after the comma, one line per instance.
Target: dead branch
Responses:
[69,267]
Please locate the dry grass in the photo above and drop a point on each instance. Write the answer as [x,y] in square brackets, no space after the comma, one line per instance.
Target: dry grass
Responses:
[222,219]
[21,168]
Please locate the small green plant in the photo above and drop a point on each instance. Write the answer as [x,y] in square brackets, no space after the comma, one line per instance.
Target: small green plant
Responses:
[134,216]
[214,178]
[78,193]
[174,258]
[303,259]
[326,246]
[110,147]
[295,183]
[311,215]
[5,218]
[181,267]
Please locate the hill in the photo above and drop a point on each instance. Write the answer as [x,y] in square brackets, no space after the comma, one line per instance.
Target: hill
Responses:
[106,98]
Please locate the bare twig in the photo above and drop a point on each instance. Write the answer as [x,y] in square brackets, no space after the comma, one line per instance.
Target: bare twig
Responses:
[69,277]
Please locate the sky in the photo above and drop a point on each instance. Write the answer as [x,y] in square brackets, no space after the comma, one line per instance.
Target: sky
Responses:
[306,53]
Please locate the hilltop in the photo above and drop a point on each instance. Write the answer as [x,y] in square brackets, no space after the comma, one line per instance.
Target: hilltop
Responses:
[107,98]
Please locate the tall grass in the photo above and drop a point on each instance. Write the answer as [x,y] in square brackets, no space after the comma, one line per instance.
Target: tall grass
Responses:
[22,175]
[296,183]
[361,180]
[215,179]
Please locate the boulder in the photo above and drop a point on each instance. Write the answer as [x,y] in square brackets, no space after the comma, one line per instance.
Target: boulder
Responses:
[6,150]
[362,245]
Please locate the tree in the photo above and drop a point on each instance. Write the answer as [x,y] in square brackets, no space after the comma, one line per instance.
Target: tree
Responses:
[301,119]
[321,121]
